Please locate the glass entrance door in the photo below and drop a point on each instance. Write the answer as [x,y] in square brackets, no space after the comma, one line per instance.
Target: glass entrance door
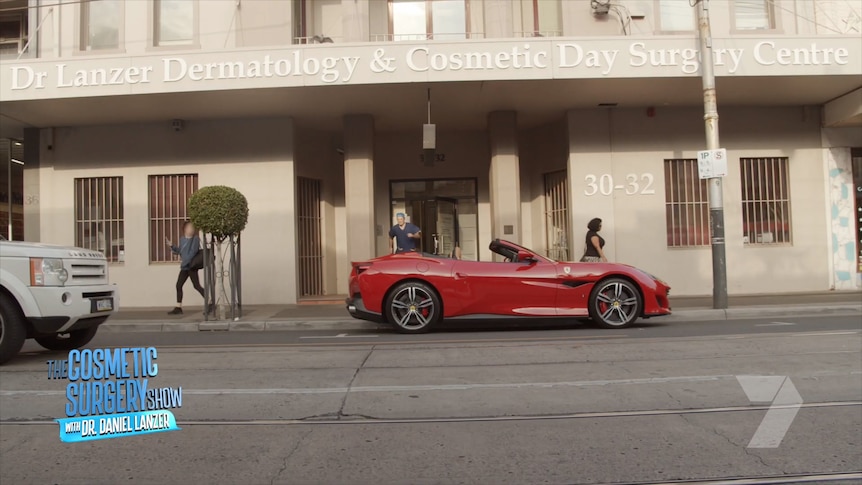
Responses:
[446,237]
[444,210]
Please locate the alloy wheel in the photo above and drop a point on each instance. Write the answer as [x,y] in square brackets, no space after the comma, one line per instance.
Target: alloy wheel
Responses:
[412,308]
[616,303]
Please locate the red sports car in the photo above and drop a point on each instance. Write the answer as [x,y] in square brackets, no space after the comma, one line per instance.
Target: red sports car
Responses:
[413,291]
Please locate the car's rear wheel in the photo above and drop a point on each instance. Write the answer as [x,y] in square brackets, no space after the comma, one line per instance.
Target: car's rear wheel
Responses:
[13,332]
[615,303]
[68,341]
[413,307]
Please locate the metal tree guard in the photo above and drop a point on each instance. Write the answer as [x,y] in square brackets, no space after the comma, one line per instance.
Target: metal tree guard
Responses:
[233,273]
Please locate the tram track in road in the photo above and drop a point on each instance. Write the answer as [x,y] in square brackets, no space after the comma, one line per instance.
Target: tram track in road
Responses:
[370,420]
[482,340]
[832,477]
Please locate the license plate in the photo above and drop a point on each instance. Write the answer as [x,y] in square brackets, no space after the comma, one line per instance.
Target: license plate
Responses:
[105,305]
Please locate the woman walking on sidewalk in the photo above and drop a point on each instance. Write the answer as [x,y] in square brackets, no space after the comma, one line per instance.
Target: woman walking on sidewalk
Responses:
[595,244]
[191,261]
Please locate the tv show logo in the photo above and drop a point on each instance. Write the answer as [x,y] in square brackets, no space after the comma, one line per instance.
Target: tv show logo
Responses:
[109,394]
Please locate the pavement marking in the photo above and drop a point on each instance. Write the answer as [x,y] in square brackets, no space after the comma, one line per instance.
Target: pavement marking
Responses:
[343,335]
[439,387]
[470,419]
[773,324]
[817,334]
[826,477]
[400,342]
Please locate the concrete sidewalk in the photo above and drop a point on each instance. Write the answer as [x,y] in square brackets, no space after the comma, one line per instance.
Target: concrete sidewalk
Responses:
[332,315]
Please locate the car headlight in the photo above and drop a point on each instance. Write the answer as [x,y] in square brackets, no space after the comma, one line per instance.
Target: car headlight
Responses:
[655,278]
[47,272]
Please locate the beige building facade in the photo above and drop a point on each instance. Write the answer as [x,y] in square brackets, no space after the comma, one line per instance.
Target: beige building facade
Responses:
[548,113]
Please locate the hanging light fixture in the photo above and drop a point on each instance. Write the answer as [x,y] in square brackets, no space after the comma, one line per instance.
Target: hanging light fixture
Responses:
[429,138]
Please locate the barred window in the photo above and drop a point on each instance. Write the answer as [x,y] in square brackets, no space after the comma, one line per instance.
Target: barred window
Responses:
[99,221]
[686,204]
[169,197]
[765,201]
[557,215]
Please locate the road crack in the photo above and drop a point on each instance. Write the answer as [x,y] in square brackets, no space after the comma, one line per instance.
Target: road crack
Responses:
[715,431]
[340,413]
[290,455]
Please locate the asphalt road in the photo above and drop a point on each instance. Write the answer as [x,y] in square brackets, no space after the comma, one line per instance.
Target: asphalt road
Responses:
[655,403]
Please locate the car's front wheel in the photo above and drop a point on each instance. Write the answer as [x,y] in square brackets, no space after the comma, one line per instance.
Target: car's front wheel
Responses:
[413,307]
[69,341]
[615,303]
[13,332]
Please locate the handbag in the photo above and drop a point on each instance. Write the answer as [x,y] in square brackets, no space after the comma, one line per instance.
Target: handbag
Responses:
[197,261]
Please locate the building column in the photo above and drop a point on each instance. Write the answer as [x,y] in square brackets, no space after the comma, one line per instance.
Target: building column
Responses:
[32,192]
[499,19]
[590,156]
[359,186]
[355,20]
[504,176]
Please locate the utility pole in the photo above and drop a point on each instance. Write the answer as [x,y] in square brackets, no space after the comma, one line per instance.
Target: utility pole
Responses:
[9,188]
[710,117]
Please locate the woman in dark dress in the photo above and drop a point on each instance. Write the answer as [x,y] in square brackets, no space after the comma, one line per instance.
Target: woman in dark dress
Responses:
[594,252]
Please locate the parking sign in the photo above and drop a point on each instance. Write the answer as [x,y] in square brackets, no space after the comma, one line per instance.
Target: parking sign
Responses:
[712,163]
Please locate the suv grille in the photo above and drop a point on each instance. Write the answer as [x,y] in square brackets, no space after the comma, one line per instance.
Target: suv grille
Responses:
[84,272]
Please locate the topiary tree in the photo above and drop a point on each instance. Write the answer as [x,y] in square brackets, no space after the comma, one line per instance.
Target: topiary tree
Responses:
[221,212]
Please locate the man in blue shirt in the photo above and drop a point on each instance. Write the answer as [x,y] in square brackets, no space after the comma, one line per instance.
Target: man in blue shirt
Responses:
[405,235]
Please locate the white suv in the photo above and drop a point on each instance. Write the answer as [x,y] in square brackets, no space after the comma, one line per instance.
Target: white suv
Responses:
[56,295]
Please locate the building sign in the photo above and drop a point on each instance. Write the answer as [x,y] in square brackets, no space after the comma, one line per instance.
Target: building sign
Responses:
[405,62]
[109,395]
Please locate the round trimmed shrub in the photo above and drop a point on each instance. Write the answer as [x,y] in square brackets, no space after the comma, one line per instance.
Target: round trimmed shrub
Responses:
[219,210]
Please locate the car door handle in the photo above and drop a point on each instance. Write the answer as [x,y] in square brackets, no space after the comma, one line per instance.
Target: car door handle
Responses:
[459,275]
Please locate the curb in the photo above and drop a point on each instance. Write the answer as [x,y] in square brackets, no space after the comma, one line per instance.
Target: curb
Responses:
[348,323]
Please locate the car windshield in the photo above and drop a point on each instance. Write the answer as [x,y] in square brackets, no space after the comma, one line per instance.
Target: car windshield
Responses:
[499,245]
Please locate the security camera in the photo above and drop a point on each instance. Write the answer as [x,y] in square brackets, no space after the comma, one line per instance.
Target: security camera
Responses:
[177,125]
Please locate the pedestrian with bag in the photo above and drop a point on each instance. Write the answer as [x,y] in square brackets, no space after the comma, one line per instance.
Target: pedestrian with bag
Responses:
[594,251]
[191,261]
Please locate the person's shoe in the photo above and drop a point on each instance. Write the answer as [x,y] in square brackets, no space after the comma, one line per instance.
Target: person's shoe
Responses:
[176,311]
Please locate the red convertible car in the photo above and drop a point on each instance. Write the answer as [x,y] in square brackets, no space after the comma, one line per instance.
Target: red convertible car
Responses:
[413,291]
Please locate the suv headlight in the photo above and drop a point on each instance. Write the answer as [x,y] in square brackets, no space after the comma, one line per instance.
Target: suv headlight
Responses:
[47,272]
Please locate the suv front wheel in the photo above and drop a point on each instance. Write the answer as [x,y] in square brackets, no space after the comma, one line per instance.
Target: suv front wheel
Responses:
[12,329]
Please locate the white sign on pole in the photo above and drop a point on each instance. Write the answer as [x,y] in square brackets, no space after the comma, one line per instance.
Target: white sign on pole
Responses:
[712,163]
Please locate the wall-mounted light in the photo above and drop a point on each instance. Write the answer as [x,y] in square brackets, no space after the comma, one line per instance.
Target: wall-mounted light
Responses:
[429,137]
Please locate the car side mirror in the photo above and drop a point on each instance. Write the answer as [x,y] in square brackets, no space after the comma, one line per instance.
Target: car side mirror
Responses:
[525,257]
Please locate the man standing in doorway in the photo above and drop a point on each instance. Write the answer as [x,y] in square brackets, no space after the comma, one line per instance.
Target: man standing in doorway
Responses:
[405,235]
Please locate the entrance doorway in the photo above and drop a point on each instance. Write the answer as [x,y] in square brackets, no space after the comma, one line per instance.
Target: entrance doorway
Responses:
[446,212]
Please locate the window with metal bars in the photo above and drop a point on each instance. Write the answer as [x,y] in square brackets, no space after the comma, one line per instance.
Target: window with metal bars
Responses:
[169,198]
[686,204]
[765,201]
[557,215]
[99,223]
[309,217]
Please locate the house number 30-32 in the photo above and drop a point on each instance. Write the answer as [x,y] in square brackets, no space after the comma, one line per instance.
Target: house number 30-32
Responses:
[635,184]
